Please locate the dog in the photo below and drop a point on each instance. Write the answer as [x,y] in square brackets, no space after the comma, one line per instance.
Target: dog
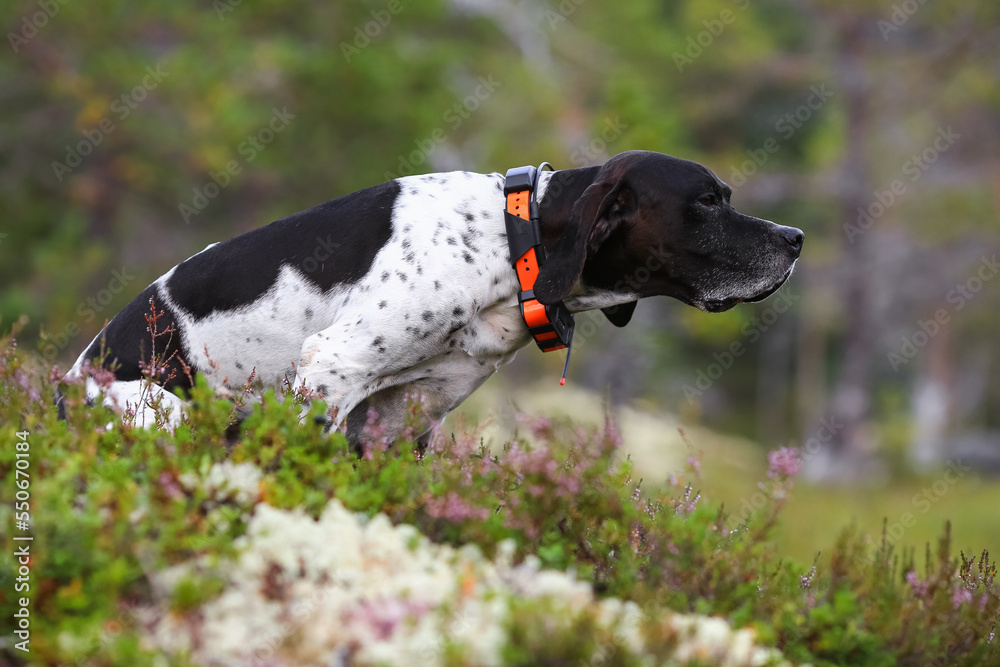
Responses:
[407,288]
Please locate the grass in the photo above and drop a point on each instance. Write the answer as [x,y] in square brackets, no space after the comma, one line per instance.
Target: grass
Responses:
[733,466]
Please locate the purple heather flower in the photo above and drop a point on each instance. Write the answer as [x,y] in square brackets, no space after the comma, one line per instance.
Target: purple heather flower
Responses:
[454,508]
[694,463]
[961,596]
[540,427]
[806,580]
[919,587]
[783,462]
[170,486]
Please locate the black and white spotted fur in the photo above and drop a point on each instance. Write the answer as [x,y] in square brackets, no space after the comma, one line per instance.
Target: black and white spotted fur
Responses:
[407,287]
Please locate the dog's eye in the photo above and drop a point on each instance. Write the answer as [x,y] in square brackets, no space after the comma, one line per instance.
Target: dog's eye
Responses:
[708,200]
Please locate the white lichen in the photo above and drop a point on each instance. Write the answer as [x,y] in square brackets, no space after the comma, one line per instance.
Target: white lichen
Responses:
[346,590]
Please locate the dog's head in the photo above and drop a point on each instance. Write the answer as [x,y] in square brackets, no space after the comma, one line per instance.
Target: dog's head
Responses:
[652,224]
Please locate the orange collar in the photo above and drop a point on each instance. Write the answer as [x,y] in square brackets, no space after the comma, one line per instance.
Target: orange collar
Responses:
[551,326]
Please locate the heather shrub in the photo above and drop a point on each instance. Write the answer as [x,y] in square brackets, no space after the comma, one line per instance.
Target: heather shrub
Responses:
[138,537]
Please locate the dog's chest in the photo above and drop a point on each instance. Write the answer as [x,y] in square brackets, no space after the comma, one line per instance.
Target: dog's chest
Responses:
[450,242]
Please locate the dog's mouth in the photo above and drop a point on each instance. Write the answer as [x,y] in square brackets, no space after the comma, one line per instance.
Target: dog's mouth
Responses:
[720,305]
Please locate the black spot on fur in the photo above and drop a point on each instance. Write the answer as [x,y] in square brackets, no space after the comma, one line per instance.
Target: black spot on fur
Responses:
[382,304]
[437,285]
[452,241]
[458,312]
[378,341]
[321,389]
[427,316]
[402,276]
[309,312]
[385,276]
[467,257]
[469,217]
[221,278]
[469,238]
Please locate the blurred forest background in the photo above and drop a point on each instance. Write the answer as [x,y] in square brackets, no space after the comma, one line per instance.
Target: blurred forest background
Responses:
[134,134]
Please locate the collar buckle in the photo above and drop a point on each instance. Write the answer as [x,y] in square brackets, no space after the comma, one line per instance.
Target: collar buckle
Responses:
[551,326]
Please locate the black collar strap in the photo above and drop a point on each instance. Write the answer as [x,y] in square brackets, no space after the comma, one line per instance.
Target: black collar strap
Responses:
[551,326]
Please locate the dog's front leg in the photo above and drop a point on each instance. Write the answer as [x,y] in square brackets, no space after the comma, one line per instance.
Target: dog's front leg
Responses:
[346,363]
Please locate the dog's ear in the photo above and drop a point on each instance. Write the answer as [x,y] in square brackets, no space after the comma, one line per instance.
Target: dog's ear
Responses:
[604,206]
[621,314]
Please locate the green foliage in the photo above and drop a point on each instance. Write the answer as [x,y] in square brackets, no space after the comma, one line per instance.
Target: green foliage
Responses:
[111,505]
[577,82]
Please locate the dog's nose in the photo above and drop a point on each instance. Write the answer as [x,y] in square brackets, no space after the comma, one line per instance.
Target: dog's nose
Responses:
[793,237]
